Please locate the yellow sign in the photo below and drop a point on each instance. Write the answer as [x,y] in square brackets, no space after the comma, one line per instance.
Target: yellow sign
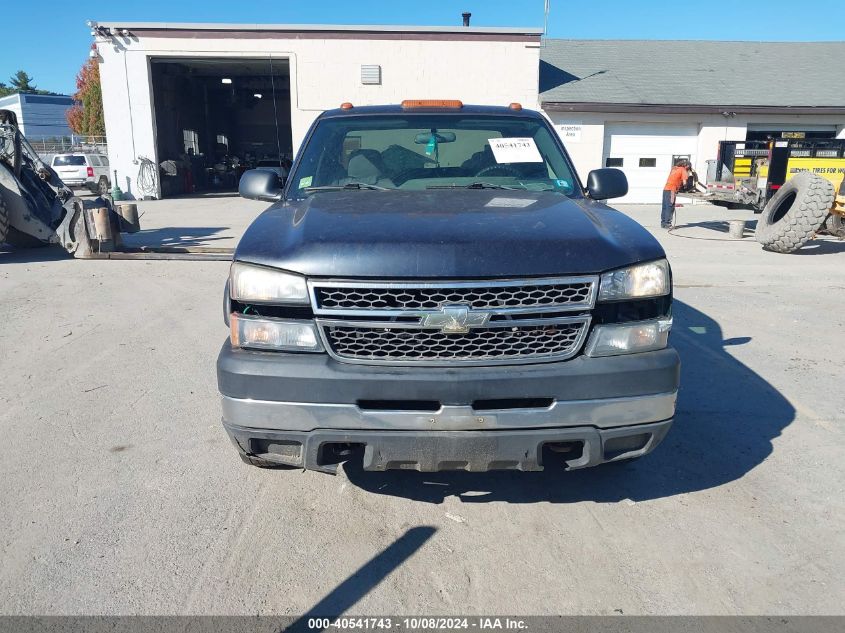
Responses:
[832,169]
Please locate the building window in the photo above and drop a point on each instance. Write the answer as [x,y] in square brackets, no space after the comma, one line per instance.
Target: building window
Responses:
[222,139]
[613,162]
[192,141]
[648,162]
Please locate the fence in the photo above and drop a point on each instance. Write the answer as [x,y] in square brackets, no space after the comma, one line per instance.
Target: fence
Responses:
[72,143]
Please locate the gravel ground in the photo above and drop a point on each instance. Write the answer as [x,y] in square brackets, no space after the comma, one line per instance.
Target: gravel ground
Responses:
[121,493]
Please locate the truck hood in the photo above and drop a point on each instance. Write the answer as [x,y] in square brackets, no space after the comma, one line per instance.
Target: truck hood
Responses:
[452,233]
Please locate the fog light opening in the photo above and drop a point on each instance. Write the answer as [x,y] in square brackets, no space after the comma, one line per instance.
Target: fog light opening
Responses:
[618,446]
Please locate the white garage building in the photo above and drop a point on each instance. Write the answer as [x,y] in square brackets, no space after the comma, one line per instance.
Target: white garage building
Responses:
[210,88]
[638,104]
[254,90]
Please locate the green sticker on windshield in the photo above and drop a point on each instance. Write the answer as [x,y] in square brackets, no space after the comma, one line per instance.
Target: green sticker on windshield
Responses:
[305,182]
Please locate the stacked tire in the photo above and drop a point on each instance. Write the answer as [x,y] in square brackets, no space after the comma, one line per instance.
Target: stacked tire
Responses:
[795,213]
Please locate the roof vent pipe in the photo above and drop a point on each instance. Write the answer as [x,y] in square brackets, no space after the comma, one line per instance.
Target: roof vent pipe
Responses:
[466,15]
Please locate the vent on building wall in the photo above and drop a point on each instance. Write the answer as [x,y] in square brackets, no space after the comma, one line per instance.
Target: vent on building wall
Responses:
[371,74]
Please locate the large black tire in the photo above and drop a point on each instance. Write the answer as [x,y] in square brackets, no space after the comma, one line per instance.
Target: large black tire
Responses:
[795,213]
[835,225]
[102,186]
[4,220]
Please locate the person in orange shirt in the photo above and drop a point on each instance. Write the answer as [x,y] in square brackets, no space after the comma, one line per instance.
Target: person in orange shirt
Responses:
[677,178]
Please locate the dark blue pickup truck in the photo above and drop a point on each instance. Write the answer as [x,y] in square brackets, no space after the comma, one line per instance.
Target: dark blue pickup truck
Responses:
[435,289]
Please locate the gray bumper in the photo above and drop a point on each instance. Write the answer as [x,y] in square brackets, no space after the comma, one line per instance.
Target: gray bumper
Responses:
[430,451]
[300,409]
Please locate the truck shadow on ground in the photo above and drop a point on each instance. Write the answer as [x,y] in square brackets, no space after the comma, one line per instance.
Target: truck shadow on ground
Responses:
[726,420]
[177,236]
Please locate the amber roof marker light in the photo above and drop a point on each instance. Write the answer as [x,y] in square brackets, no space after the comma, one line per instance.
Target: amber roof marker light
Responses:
[515,106]
[410,104]
[346,106]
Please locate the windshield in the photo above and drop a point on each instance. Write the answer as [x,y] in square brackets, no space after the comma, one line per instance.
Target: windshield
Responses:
[64,161]
[422,151]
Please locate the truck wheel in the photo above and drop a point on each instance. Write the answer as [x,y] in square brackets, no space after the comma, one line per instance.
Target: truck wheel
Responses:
[795,213]
[102,186]
[835,225]
[263,463]
[4,221]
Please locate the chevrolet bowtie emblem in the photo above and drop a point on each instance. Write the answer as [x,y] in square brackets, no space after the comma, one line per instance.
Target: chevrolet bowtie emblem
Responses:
[456,319]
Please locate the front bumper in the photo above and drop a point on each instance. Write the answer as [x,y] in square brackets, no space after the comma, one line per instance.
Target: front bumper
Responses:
[431,451]
[297,408]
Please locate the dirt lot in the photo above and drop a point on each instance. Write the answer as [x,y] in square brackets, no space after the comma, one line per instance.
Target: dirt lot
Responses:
[121,493]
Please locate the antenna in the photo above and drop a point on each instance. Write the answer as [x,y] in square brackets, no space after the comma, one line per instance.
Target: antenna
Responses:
[275,115]
[546,8]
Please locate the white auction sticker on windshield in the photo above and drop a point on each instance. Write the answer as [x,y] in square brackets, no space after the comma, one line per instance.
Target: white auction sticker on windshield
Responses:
[515,150]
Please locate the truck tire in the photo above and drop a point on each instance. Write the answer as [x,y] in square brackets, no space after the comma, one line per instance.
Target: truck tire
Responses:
[795,213]
[835,225]
[4,220]
[102,186]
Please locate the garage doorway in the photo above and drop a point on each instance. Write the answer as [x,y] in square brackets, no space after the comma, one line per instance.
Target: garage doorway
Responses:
[215,118]
[644,151]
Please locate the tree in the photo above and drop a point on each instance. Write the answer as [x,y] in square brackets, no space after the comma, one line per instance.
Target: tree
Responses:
[86,116]
[22,82]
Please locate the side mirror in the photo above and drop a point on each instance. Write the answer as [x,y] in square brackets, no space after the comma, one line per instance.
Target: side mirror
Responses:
[260,184]
[606,183]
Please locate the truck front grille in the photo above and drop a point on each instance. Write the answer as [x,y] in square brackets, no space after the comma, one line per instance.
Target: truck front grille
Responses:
[502,342]
[454,322]
[523,295]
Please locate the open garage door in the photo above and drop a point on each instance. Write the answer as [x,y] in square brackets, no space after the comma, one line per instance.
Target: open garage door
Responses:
[215,118]
[644,151]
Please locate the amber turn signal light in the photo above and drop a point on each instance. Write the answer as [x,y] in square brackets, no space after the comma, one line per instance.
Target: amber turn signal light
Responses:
[409,104]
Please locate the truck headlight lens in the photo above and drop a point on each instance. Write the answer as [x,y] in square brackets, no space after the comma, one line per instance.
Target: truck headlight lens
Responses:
[257,284]
[274,334]
[635,282]
[629,338]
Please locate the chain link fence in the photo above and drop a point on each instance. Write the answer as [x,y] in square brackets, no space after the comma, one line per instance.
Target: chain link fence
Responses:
[72,143]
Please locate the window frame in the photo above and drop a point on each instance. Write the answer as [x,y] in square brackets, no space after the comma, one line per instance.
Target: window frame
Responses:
[578,185]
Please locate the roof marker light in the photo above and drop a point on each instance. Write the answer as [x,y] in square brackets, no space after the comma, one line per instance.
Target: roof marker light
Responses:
[409,104]
[515,106]
[345,106]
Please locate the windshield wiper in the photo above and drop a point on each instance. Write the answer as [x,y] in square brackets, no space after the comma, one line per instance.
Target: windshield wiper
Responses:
[474,185]
[350,186]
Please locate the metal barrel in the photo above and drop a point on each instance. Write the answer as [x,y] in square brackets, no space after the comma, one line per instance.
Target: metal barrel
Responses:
[128,213]
[102,224]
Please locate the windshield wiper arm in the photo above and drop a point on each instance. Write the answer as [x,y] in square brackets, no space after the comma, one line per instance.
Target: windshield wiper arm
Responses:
[473,185]
[350,186]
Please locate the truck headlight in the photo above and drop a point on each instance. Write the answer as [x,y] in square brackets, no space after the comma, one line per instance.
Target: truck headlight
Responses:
[257,284]
[274,334]
[629,338]
[636,282]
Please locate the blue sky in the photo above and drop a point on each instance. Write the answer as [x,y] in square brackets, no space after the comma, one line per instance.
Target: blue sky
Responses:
[50,40]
